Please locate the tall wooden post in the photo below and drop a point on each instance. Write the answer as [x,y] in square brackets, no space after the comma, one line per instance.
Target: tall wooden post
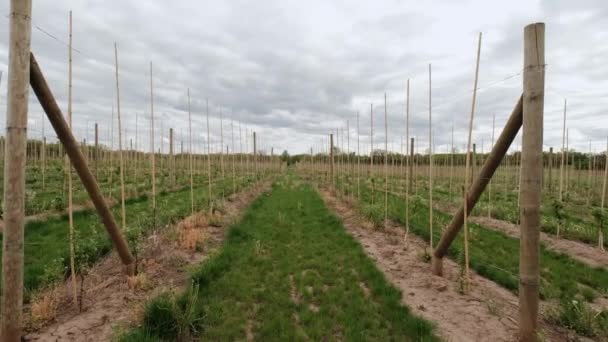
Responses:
[14,168]
[531,175]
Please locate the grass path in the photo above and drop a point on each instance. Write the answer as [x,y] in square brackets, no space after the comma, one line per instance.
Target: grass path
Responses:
[288,271]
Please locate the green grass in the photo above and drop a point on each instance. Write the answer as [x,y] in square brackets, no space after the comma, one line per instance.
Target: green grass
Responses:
[493,254]
[46,241]
[288,245]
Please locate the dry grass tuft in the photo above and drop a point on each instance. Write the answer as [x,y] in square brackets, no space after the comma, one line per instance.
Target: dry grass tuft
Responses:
[44,306]
[138,282]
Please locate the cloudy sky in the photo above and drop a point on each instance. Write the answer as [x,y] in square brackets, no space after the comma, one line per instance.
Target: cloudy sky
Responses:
[295,71]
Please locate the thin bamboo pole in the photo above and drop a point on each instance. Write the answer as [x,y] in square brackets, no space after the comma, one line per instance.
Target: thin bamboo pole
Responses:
[208,160]
[385,163]
[14,169]
[408,161]
[152,152]
[121,161]
[358,161]
[561,170]
[600,234]
[466,279]
[190,155]
[490,182]
[69,171]
[430,164]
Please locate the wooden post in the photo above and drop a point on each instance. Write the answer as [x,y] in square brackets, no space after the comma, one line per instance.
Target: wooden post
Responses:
[48,103]
[531,174]
[14,169]
[474,192]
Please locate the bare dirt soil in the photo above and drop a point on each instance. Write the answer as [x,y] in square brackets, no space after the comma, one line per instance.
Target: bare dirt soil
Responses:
[112,302]
[580,251]
[487,313]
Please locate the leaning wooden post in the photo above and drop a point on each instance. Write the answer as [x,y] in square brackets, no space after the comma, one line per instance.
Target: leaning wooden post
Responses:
[531,175]
[48,103]
[14,169]
[474,192]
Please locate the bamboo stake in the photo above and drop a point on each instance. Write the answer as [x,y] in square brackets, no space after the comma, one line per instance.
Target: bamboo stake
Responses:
[451,162]
[43,152]
[466,280]
[233,154]
[14,169]
[358,161]
[371,144]
[561,170]
[171,158]
[122,172]
[152,152]
[385,163]
[531,174]
[600,234]
[69,170]
[208,160]
[430,165]
[408,161]
[490,182]
[190,155]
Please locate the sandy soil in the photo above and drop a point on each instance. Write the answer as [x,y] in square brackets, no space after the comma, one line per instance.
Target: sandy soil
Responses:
[580,251]
[487,313]
[111,301]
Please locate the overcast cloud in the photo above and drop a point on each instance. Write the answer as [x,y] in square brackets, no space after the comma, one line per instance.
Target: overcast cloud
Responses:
[296,70]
